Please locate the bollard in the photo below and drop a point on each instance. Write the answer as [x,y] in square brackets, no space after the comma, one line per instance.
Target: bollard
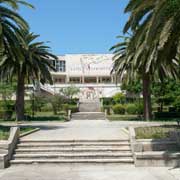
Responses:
[69,115]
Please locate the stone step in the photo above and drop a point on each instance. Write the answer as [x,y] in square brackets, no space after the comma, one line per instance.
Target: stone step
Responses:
[75,141]
[73,156]
[90,101]
[90,106]
[123,143]
[62,161]
[88,116]
[71,150]
[72,145]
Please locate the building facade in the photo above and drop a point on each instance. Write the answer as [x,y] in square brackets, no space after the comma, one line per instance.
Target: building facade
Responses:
[90,72]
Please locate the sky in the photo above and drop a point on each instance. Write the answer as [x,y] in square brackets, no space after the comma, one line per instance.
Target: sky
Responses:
[77,26]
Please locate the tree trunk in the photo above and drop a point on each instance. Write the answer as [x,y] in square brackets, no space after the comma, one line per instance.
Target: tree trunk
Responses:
[20,97]
[147,97]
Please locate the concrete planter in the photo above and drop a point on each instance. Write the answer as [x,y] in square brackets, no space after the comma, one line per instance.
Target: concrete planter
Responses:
[155,153]
[7,147]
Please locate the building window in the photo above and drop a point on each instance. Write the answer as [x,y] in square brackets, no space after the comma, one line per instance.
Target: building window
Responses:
[74,80]
[60,66]
[59,80]
[106,79]
[90,80]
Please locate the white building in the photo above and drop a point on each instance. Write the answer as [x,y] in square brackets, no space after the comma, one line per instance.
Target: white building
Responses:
[90,72]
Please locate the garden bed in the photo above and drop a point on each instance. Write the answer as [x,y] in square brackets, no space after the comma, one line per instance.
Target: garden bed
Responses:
[42,116]
[4,133]
[156,132]
[5,130]
[116,117]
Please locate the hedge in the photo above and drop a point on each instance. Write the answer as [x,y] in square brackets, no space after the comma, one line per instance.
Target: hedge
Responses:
[131,109]
[119,109]
[165,115]
[67,107]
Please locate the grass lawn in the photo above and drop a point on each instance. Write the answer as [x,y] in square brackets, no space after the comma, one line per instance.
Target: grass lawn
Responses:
[156,132]
[117,117]
[4,131]
[48,116]
[26,129]
[42,116]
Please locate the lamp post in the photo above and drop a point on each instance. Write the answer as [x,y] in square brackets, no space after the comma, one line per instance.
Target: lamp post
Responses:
[36,87]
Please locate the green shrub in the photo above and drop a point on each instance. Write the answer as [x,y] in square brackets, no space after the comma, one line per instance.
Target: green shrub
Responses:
[119,98]
[108,108]
[67,107]
[119,109]
[62,113]
[177,104]
[172,109]
[6,110]
[56,102]
[73,101]
[166,115]
[4,132]
[131,109]
[107,101]
[73,108]
[28,108]
[6,115]
[140,108]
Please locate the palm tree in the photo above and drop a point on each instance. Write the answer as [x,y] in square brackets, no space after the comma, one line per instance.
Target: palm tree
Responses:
[126,65]
[35,65]
[155,42]
[10,24]
[156,25]
[158,21]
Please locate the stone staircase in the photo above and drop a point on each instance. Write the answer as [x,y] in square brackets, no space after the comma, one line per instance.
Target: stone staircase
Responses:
[90,106]
[88,116]
[72,151]
[89,110]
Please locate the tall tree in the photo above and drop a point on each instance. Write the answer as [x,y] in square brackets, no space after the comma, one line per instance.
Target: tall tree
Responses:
[34,65]
[156,41]
[127,66]
[155,25]
[10,24]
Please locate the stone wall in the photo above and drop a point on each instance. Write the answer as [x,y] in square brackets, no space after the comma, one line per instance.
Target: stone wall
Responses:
[149,152]
[7,147]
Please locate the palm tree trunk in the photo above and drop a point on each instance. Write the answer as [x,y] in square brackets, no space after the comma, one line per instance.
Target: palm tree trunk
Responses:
[20,97]
[147,97]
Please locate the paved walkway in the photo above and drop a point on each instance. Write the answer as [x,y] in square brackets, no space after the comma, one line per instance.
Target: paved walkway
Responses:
[86,130]
[78,129]
[87,172]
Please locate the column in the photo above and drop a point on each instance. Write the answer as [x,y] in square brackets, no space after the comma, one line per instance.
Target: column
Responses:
[67,79]
[100,79]
[82,79]
[97,79]
[112,79]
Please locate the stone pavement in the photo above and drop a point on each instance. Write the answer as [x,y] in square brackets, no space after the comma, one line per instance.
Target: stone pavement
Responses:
[84,129]
[86,172]
[80,129]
